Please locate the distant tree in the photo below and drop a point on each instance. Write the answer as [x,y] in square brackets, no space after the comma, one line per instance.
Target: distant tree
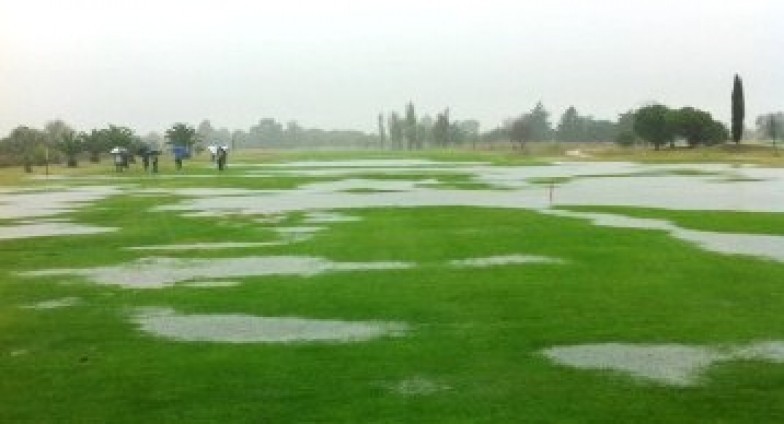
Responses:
[181,135]
[267,132]
[738,109]
[425,131]
[117,136]
[411,127]
[205,134]
[570,126]
[539,124]
[71,144]
[441,132]
[692,124]
[651,124]
[521,130]
[395,130]
[469,128]
[95,142]
[26,146]
[382,133]
[294,134]
[770,126]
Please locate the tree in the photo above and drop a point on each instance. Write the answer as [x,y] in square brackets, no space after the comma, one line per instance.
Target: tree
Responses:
[651,124]
[382,133]
[738,109]
[570,127]
[521,130]
[411,126]
[71,144]
[26,145]
[117,136]
[181,135]
[441,132]
[95,142]
[395,131]
[539,123]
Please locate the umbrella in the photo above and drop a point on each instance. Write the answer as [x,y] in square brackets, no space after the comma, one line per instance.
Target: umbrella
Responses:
[118,150]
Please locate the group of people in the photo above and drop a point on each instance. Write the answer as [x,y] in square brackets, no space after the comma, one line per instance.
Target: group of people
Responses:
[123,157]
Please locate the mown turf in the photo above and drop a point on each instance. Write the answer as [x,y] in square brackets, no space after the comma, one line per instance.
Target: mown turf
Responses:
[475,332]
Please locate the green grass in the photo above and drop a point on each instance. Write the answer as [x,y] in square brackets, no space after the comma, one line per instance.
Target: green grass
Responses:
[476,331]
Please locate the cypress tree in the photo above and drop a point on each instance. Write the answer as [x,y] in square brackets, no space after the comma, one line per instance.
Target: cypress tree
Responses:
[738,110]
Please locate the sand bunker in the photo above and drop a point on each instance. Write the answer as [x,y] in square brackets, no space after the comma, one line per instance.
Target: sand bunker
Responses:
[154,273]
[504,260]
[764,246]
[64,302]
[206,246]
[217,328]
[669,364]
[49,228]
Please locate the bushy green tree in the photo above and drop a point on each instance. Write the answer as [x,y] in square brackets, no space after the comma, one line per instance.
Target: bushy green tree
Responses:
[26,146]
[71,144]
[539,124]
[651,124]
[569,128]
[181,135]
[521,130]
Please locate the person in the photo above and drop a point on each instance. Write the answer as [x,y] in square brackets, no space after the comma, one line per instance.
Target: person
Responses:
[222,156]
[179,154]
[145,154]
[155,163]
[119,163]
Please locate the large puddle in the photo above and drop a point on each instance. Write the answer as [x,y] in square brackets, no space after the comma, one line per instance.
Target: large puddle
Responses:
[50,202]
[49,228]
[763,246]
[237,328]
[669,364]
[154,273]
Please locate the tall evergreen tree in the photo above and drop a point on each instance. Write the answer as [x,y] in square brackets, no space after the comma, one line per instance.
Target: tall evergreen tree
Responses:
[738,109]
[382,133]
[411,126]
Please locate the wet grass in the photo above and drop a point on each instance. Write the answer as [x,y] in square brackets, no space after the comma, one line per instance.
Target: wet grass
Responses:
[476,332]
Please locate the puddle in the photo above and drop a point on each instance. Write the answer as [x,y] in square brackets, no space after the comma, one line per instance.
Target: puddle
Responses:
[297,234]
[64,302]
[605,183]
[417,386]
[237,328]
[206,246]
[323,217]
[50,202]
[49,228]
[366,163]
[504,260]
[763,246]
[668,364]
[211,284]
[155,273]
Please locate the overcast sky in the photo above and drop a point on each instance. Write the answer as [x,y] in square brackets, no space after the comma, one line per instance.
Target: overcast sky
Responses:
[337,64]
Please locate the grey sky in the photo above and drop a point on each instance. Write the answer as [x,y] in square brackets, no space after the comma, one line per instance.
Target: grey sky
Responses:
[336,64]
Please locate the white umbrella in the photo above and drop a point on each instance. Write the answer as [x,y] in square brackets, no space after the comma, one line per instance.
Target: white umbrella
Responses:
[118,150]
